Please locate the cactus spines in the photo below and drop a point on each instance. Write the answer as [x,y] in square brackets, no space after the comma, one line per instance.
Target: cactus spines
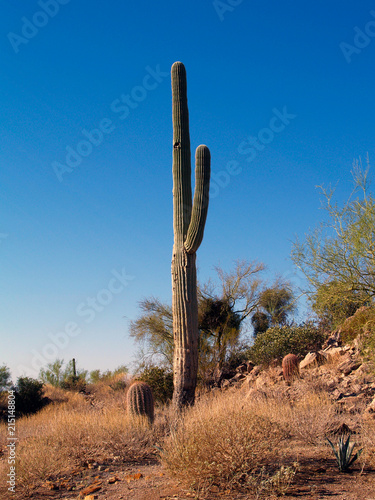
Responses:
[290,366]
[188,223]
[140,401]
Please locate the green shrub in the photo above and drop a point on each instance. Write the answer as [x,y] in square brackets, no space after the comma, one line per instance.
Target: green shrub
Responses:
[278,341]
[74,383]
[361,323]
[29,396]
[161,382]
[115,379]
[333,304]
[4,378]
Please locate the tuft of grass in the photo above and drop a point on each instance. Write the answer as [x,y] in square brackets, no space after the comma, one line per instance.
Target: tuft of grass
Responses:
[368,440]
[311,415]
[223,442]
[279,482]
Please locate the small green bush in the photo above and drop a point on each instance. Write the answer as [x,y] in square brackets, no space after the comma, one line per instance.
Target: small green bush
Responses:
[29,396]
[161,382]
[74,383]
[277,342]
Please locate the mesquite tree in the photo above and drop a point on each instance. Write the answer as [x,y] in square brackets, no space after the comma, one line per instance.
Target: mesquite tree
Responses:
[188,224]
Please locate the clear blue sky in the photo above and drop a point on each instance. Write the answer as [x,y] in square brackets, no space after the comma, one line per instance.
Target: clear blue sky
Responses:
[82,65]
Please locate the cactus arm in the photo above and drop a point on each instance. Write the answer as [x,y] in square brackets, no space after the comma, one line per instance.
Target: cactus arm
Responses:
[201,195]
[181,153]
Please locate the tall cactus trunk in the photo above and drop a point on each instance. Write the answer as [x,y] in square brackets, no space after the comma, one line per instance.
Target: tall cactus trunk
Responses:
[188,223]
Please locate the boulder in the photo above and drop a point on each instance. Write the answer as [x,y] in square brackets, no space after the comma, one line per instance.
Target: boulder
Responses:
[312,360]
[333,353]
[250,365]
[242,368]
[371,407]
[237,377]
[348,365]
[334,340]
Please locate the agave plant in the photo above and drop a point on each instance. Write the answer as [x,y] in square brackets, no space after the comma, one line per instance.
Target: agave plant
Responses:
[344,453]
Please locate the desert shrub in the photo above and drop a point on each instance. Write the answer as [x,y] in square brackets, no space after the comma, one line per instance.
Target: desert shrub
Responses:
[118,379]
[36,461]
[119,382]
[74,383]
[368,440]
[362,324]
[361,320]
[222,442]
[29,396]
[278,341]
[303,411]
[161,382]
[71,399]
[311,416]
[333,303]
[4,378]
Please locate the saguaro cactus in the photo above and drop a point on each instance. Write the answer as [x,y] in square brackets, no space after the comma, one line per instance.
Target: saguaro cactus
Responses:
[140,400]
[188,224]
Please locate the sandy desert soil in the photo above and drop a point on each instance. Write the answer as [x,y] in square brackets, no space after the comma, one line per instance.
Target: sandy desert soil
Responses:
[317,479]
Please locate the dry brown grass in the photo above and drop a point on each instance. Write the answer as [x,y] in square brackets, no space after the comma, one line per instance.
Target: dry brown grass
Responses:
[303,410]
[65,435]
[311,416]
[249,442]
[224,442]
[368,440]
[232,440]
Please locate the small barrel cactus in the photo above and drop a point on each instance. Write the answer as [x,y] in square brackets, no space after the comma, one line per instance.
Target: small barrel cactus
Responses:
[290,366]
[140,400]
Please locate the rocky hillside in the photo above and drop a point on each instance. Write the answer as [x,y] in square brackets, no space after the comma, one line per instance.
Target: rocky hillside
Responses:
[337,369]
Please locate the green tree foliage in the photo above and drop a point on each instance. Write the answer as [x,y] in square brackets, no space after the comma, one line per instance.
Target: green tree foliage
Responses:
[338,257]
[279,341]
[115,379]
[260,322]
[153,331]
[99,376]
[361,324]
[277,302]
[223,309]
[333,304]
[53,374]
[219,328]
[67,378]
[240,288]
[5,381]
[28,396]
[160,380]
